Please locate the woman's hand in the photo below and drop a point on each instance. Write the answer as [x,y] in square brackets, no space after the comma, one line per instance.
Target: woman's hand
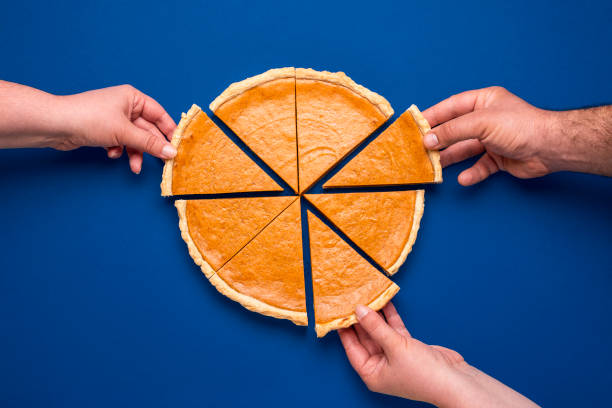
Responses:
[390,361]
[112,118]
[116,117]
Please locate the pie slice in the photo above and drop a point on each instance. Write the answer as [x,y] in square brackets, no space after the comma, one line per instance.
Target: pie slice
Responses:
[261,111]
[341,280]
[208,162]
[267,275]
[334,115]
[215,230]
[383,224]
[397,156]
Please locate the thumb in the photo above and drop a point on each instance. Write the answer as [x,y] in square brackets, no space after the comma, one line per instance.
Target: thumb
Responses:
[145,141]
[469,126]
[373,323]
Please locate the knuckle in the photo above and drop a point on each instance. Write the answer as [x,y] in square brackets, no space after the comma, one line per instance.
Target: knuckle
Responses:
[150,142]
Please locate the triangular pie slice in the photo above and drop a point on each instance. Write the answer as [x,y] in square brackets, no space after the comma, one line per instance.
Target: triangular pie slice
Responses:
[334,115]
[215,230]
[383,224]
[396,156]
[208,162]
[261,111]
[341,280]
[267,275]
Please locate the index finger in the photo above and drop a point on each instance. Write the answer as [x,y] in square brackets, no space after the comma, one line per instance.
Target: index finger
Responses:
[452,107]
[355,351]
[394,320]
[155,113]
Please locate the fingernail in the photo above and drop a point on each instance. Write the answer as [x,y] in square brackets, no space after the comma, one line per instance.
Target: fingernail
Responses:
[465,178]
[114,154]
[168,151]
[430,140]
[361,311]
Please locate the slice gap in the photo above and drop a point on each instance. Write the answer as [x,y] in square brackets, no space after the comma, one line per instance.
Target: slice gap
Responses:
[396,157]
[342,279]
[208,162]
[260,111]
[384,225]
[334,115]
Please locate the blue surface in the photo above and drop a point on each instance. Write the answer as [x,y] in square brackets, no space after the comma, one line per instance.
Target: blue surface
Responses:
[100,304]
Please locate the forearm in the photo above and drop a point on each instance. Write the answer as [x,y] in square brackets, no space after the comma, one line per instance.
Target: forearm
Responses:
[580,140]
[470,387]
[30,118]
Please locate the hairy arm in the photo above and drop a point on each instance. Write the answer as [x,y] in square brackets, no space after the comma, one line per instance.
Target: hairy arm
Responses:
[511,135]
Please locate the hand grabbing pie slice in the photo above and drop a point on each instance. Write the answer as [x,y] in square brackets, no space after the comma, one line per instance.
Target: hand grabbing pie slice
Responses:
[383,224]
[341,280]
[334,115]
[215,230]
[261,111]
[267,275]
[208,162]
[397,156]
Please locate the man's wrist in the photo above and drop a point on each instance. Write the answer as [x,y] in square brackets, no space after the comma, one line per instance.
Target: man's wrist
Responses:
[578,140]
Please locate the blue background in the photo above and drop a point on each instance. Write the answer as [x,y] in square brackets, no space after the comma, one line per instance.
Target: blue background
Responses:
[100,305]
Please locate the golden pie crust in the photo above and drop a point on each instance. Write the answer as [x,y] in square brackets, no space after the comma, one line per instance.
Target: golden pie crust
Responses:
[383,224]
[261,111]
[267,275]
[216,229]
[396,157]
[342,279]
[208,162]
[334,115]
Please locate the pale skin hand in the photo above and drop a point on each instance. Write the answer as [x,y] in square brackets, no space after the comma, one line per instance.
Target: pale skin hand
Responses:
[517,137]
[390,361]
[112,118]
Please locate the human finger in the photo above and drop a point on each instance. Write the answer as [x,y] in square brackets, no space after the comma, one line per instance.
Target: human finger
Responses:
[114,152]
[155,113]
[452,107]
[366,340]
[460,151]
[483,168]
[376,327]
[135,159]
[394,320]
[145,141]
[355,351]
[469,126]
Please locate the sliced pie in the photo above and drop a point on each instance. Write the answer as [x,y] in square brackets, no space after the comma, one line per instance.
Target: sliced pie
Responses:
[215,230]
[261,111]
[342,279]
[383,224]
[208,162]
[396,156]
[267,275]
[334,115]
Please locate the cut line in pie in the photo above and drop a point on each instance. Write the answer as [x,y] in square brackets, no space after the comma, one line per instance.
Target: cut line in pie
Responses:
[208,162]
[383,224]
[396,157]
[301,123]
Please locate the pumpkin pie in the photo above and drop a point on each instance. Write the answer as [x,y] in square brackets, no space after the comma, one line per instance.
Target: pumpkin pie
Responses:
[261,111]
[397,156]
[216,229]
[208,162]
[334,115]
[342,279]
[267,275]
[383,224]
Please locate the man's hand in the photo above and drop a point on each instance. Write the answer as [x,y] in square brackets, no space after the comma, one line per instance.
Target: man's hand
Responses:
[517,137]
[112,118]
[390,361]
